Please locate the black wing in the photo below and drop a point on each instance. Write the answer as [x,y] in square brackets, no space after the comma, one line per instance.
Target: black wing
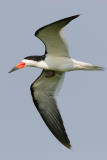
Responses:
[51,37]
[43,90]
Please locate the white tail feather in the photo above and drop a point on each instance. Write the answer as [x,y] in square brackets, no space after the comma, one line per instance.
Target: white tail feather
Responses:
[85,66]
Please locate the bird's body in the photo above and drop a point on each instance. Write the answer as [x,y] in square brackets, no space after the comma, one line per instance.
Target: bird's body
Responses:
[55,62]
[61,64]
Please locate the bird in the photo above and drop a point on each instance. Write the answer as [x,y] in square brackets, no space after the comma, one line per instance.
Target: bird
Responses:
[55,62]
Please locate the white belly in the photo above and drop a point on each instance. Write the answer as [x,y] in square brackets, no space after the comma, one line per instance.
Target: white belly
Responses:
[59,63]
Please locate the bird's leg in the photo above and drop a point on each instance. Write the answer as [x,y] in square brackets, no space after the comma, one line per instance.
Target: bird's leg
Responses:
[49,74]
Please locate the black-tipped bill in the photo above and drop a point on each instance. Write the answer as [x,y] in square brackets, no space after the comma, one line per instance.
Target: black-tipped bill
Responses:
[13,69]
[18,66]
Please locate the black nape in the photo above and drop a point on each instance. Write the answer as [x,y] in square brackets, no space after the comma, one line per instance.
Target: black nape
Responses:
[35,58]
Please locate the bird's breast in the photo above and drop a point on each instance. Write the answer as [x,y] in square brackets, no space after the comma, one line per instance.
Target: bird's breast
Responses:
[62,64]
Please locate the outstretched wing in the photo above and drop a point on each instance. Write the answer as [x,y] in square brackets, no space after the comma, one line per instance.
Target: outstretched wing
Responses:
[50,36]
[43,91]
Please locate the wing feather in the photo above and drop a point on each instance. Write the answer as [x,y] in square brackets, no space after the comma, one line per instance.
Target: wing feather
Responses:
[43,91]
[51,37]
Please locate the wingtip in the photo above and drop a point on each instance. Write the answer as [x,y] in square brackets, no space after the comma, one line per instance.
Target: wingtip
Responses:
[68,146]
[76,16]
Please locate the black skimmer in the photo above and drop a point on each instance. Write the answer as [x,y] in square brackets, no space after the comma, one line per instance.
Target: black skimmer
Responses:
[55,62]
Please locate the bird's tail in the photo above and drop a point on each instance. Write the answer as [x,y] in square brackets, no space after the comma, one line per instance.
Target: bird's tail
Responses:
[85,66]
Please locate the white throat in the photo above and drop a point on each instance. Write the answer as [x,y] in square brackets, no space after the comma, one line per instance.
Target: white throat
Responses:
[39,64]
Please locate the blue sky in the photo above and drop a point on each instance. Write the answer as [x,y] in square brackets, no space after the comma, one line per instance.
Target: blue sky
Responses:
[83,98]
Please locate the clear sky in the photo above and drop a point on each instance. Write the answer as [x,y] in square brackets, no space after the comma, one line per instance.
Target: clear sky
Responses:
[83,98]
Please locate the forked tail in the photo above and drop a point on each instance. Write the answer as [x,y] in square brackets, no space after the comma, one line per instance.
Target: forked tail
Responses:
[85,66]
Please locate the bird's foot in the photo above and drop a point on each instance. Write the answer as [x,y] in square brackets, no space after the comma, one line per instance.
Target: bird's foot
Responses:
[49,74]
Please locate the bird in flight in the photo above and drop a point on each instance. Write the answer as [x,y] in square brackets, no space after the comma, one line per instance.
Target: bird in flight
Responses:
[54,63]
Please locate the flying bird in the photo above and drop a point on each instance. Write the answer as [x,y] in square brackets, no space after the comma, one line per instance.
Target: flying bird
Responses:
[54,63]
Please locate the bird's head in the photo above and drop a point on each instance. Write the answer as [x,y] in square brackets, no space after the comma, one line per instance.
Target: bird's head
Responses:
[25,62]
[30,61]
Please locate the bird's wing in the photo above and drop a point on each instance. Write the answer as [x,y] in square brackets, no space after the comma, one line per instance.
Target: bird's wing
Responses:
[43,91]
[51,37]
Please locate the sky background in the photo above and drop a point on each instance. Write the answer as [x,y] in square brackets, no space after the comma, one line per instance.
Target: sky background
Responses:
[83,98]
